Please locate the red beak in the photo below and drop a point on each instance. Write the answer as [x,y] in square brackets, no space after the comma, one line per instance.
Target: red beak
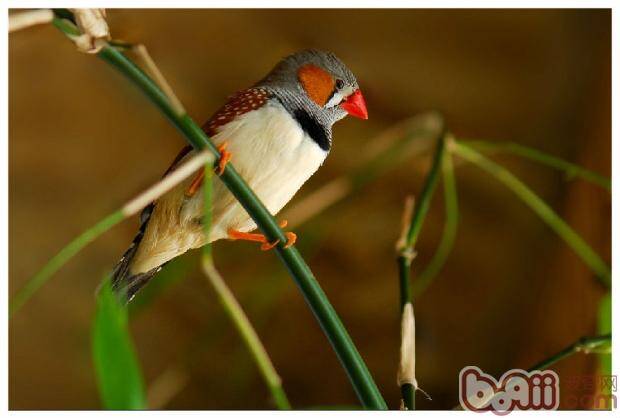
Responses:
[355,105]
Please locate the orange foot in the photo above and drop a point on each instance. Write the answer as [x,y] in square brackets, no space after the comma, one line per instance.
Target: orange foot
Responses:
[196,184]
[224,158]
[291,238]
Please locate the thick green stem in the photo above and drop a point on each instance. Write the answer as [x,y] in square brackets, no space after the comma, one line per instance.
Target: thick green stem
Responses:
[348,355]
[61,258]
[571,170]
[574,240]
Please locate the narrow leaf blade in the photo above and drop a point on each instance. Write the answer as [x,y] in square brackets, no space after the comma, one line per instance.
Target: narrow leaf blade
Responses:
[116,365]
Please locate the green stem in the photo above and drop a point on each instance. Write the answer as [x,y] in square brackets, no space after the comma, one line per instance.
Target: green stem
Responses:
[571,169]
[356,369]
[574,240]
[449,231]
[583,345]
[404,279]
[424,201]
[61,258]
[407,250]
[407,393]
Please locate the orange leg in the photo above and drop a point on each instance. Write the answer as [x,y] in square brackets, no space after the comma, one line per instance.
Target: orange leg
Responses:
[224,159]
[266,245]
[196,184]
[291,239]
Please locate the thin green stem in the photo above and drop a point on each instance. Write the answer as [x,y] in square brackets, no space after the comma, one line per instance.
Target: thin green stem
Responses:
[232,307]
[249,336]
[356,369]
[574,240]
[424,201]
[571,170]
[61,258]
[583,345]
[449,230]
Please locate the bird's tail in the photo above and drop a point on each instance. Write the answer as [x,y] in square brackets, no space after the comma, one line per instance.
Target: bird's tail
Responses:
[124,283]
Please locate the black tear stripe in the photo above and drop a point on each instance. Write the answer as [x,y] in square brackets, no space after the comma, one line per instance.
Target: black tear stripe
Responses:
[313,128]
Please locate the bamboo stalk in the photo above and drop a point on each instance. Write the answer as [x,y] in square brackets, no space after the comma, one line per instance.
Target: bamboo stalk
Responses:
[573,239]
[337,335]
[412,225]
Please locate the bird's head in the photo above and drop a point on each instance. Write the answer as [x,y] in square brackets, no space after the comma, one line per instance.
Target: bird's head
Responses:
[318,82]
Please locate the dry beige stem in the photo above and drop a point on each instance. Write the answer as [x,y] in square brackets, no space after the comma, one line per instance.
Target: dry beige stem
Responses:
[406,369]
[159,78]
[23,20]
[166,386]
[405,223]
[94,28]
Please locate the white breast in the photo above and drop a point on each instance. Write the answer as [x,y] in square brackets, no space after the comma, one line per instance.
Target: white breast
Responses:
[273,155]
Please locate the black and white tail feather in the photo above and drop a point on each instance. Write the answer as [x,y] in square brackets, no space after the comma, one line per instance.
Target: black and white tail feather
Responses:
[125,284]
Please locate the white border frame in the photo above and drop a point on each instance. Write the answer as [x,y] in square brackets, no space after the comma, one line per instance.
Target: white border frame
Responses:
[271,4]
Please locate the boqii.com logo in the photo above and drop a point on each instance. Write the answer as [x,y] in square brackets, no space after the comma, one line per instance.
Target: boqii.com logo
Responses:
[516,390]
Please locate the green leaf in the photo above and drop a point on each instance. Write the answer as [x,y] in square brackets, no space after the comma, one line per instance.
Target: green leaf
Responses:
[116,365]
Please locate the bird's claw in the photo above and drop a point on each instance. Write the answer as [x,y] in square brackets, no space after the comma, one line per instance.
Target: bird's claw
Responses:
[291,238]
[269,245]
[224,158]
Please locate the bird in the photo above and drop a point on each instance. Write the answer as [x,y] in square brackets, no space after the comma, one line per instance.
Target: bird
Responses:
[277,133]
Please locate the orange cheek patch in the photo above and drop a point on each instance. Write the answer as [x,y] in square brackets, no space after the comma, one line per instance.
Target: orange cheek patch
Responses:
[317,83]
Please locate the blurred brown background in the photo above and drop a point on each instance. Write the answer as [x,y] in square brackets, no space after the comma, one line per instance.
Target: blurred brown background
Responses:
[83,141]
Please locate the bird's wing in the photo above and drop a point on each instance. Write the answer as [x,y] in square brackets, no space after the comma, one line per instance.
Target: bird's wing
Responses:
[242,102]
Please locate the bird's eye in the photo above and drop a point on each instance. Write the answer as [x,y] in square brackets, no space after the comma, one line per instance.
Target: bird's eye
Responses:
[339,84]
